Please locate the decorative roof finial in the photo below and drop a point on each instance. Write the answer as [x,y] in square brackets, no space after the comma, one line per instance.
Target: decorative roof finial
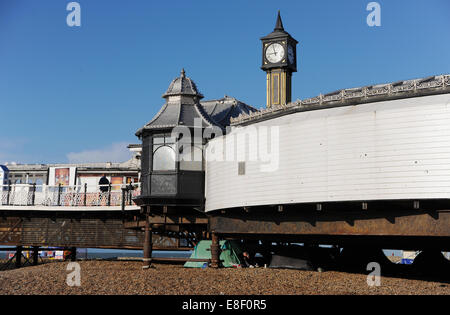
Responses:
[279,25]
[183,74]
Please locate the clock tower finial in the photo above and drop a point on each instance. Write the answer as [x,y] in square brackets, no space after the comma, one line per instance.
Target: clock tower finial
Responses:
[279,61]
[279,25]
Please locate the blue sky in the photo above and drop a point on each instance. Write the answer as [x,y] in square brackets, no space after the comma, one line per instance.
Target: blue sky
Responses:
[80,93]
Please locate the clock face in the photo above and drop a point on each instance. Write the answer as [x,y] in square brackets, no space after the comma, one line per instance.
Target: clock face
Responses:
[274,53]
[291,54]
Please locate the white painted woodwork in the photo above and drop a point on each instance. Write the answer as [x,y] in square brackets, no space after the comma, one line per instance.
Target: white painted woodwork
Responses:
[388,150]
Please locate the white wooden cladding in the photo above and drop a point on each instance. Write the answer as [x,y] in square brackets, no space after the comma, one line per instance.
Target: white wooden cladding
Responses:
[387,150]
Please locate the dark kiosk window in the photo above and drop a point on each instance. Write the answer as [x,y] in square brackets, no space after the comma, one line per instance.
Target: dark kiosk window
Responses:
[164,158]
[191,159]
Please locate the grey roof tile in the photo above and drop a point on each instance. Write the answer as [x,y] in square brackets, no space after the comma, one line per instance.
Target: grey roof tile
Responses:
[224,109]
[183,86]
[183,107]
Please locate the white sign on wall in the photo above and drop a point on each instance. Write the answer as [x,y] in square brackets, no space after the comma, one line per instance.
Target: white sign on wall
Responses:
[62,175]
[3,175]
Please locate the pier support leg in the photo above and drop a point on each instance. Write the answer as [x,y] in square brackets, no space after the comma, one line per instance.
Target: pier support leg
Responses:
[19,256]
[35,255]
[148,246]
[215,251]
[73,254]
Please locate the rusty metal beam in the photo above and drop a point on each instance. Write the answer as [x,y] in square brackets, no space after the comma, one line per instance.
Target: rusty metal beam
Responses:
[373,223]
[147,259]
[215,251]
[169,220]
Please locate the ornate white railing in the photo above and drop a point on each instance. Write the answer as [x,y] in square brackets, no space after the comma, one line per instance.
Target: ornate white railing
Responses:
[68,196]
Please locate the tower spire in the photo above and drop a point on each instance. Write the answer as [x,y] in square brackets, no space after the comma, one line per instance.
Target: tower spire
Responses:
[279,24]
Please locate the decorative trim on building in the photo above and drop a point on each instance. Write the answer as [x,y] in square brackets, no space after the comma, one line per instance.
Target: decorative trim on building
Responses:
[403,89]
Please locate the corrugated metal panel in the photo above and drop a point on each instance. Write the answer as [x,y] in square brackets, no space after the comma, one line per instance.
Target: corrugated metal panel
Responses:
[79,233]
[10,230]
[94,232]
[386,150]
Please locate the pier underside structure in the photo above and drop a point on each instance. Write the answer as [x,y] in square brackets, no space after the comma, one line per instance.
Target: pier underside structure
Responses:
[99,230]
[407,224]
[391,228]
[76,218]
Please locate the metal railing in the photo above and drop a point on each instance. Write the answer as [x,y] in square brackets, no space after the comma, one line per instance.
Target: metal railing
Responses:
[68,196]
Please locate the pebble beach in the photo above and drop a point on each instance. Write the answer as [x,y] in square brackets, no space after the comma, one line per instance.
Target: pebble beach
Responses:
[128,278]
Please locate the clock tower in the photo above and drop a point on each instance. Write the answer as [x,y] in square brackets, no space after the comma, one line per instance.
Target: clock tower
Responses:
[279,60]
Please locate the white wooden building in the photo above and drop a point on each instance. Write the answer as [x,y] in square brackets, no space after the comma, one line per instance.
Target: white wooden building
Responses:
[385,142]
